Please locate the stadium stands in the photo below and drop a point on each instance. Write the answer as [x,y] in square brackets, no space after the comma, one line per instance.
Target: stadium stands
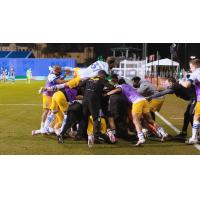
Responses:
[19,54]
[15,54]
[3,54]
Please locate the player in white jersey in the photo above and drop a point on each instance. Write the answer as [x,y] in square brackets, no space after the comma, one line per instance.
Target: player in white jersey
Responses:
[194,79]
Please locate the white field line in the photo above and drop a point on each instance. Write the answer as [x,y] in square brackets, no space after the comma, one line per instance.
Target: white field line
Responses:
[177,131]
[20,104]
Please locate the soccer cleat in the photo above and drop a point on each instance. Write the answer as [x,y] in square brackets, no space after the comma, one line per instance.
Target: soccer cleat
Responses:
[111,136]
[58,131]
[140,141]
[162,134]
[36,132]
[41,90]
[192,141]
[60,139]
[90,141]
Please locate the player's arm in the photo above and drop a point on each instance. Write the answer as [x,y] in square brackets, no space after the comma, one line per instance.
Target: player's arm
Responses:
[187,83]
[142,89]
[117,90]
[107,85]
[162,93]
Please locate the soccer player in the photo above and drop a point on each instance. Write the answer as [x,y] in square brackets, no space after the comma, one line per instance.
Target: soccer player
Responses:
[12,74]
[93,69]
[140,108]
[188,94]
[92,104]
[195,80]
[53,79]
[146,89]
[28,75]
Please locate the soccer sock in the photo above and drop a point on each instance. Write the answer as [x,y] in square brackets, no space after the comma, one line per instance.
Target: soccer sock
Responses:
[64,122]
[49,120]
[42,125]
[140,135]
[161,132]
[195,129]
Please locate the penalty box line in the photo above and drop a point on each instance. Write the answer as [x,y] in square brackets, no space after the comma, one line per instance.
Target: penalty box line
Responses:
[176,130]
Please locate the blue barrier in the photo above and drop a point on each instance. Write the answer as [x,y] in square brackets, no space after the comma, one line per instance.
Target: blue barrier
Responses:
[39,66]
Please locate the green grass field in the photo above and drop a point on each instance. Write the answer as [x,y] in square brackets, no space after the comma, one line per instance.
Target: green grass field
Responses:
[18,120]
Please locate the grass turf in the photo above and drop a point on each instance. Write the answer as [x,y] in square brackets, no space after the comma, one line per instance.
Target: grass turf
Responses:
[17,122]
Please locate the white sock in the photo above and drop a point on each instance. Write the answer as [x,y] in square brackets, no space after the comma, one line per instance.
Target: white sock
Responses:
[64,122]
[49,120]
[140,135]
[42,125]
[195,129]
[161,132]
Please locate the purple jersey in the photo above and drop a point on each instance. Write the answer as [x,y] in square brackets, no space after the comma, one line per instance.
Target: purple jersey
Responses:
[130,93]
[51,81]
[71,94]
[195,79]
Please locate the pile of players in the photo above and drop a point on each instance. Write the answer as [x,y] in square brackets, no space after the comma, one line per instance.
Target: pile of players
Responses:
[89,106]
[5,75]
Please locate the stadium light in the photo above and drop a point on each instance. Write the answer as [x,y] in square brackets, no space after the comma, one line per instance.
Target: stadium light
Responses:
[192,57]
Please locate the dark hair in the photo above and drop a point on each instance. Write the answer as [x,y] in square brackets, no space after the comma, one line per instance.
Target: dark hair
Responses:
[121,81]
[114,76]
[102,72]
[136,79]
[110,60]
[172,79]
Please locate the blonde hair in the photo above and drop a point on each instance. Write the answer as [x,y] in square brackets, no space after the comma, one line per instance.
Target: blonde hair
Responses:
[195,62]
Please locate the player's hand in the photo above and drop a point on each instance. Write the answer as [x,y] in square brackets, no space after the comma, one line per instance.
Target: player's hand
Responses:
[105,95]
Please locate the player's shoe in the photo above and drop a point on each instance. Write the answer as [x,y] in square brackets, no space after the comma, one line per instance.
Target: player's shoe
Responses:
[60,139]
[162,134]
[111,136]
[90,141]
[141,140]
[41,90]
[192,141]
[72,133]
[35,132]
[57,131]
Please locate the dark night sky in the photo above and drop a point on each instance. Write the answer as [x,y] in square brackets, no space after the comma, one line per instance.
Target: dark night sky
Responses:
[103,49]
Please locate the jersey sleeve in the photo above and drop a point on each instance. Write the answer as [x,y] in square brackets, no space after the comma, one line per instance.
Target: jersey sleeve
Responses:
[52,78]
[193,77]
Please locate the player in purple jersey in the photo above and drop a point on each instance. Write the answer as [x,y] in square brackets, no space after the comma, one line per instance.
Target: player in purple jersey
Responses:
[194,79]
[53,79]
[140,109]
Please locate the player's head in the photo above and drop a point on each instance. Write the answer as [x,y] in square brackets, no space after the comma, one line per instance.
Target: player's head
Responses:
[57,70]
[194,64]
[114,78]
[121,81]
[136,81]
[102,74]
[111,62]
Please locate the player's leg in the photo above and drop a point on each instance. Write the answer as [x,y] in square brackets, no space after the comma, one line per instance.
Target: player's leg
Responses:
[52,114]
[136,116]
[147,116]
[196,125]
[155,105]
[46,108]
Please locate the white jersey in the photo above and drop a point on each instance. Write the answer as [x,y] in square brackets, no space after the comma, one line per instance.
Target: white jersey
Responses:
[93,69]
[195,79]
